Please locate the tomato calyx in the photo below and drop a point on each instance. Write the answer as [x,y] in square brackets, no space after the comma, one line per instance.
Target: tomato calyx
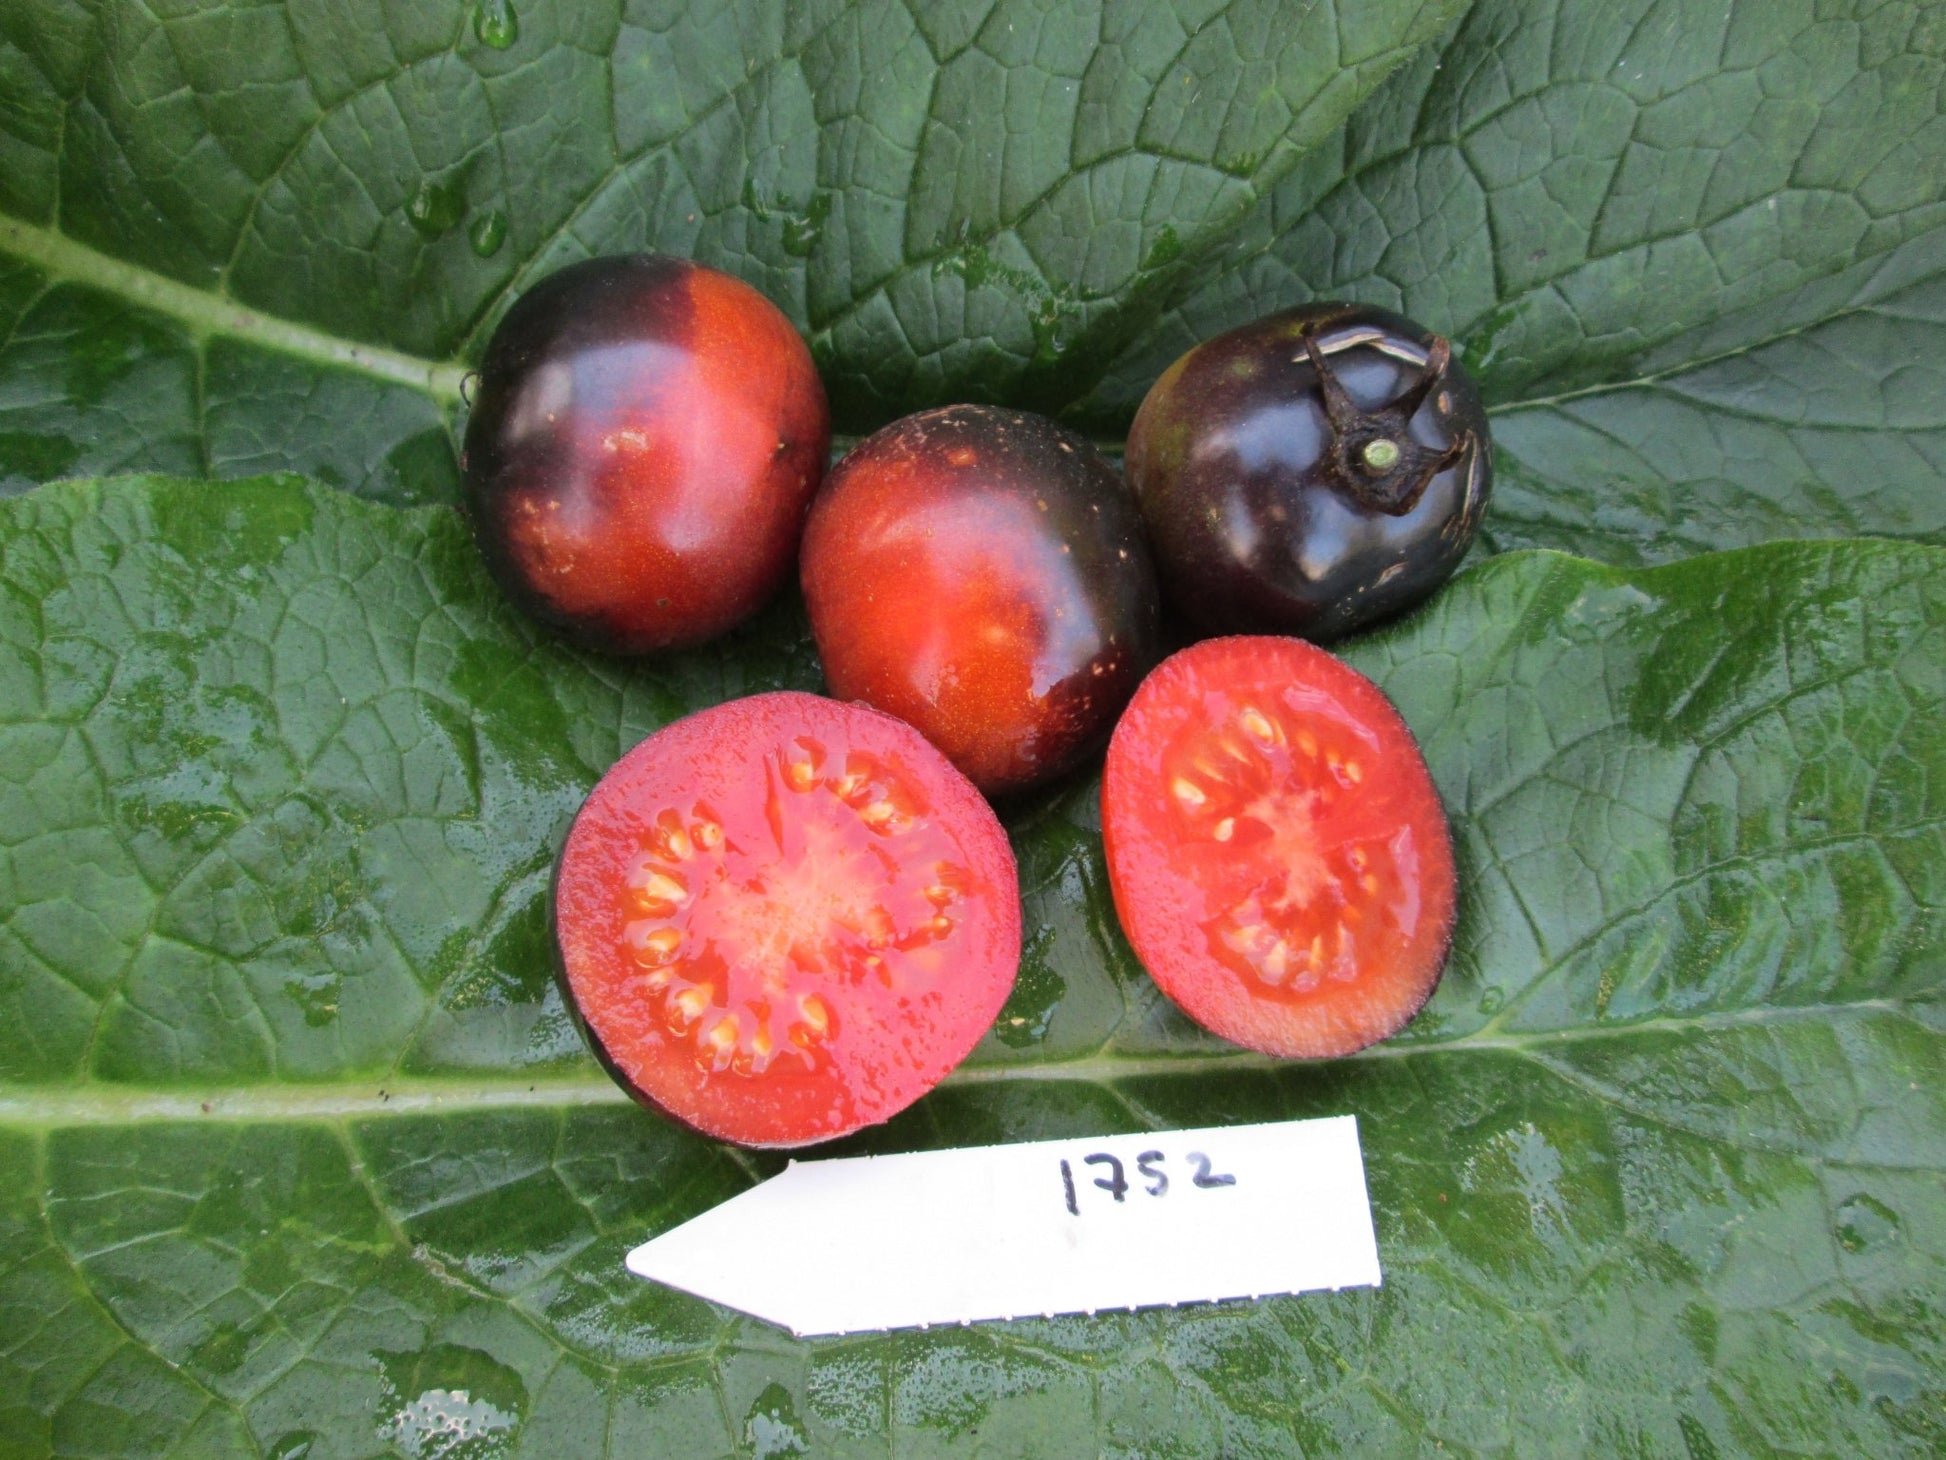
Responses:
[1373,453]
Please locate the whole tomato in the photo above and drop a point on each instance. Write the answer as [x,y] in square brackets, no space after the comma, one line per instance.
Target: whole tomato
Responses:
[1310,473]
[981,574]
[645,439]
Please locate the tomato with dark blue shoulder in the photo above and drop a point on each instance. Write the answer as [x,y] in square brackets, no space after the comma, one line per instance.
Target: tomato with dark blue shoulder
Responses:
[1313,473]
[981,574]
[645,440]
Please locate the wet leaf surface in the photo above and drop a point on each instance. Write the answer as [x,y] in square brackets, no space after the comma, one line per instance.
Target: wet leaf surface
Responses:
[302,1155]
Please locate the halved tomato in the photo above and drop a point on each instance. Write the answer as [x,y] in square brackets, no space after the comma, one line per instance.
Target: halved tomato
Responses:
[785,918]
[1278,853]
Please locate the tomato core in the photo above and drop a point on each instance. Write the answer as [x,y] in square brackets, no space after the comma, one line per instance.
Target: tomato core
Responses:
[1278,854]
[845,877]
[784,918]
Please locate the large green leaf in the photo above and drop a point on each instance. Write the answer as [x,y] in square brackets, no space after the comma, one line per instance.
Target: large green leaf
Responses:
[306,1155]
[299,1154]
[347,187]
[1696,253]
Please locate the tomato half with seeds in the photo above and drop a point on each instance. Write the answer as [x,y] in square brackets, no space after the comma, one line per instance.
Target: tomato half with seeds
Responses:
[1278,853]
[784,918]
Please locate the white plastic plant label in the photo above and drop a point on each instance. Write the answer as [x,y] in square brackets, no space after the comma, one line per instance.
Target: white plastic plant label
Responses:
[1046,1227]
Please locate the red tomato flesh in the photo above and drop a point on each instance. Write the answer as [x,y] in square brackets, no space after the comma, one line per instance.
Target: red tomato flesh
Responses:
[784,918]
[1278,853]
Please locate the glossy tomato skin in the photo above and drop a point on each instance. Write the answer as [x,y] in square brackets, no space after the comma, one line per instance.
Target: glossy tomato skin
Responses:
[644,440]
[1278,853]
[1310,473]
[783,919]
[981,574]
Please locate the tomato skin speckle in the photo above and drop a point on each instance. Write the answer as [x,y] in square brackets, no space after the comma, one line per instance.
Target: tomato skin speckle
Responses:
[981,574]
[783,919]
[1276,847]
[646,438]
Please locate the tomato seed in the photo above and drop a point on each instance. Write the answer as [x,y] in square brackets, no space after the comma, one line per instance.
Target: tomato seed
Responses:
[815,1014]
[660,946]
[661,888]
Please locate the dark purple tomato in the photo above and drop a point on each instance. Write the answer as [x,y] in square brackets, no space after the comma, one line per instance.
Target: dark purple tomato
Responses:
[645,439]
[1310,473]
[980,573]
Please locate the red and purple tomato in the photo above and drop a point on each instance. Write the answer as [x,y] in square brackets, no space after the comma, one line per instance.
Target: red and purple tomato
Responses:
[981,573]
[645,439]
[1278,852]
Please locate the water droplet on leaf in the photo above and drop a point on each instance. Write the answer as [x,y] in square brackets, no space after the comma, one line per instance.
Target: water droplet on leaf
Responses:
[772,1428]
[316,994]
[802,231]
[436,207]
[496,24]
[1166,249]
[1864,1222]
[1038,989]
[449,1403]
[488,232]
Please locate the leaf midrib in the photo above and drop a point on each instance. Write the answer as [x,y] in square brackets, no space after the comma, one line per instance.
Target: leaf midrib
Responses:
[207,314]
[100,1103]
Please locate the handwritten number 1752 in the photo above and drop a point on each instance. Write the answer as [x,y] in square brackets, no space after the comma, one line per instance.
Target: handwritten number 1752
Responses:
[1148,1166]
